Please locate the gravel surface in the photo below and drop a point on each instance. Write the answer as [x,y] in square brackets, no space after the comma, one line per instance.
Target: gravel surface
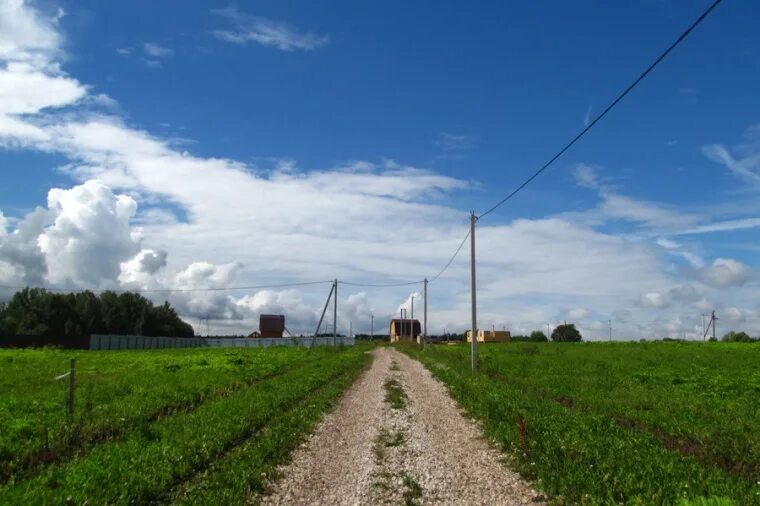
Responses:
[424,451]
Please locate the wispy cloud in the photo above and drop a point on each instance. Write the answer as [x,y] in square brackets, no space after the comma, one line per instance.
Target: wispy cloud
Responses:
[743,161]
[454,142]
[587,116]
[267,32]
[157,50]
[124,51]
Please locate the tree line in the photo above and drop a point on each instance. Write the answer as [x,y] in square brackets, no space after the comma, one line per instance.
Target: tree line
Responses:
[38,312]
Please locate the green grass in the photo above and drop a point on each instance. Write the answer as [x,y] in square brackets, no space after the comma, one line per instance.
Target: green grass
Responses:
[394,393]
[182,425]
[653,423]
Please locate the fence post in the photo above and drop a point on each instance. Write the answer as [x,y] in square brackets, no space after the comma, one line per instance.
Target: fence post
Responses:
[72,386]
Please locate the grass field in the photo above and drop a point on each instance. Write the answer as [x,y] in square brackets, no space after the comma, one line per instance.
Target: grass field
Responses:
[187,426]
[632,423]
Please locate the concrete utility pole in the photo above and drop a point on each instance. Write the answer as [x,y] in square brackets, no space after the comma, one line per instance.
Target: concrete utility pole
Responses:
[372,326]
[704,329]
[350,328]
[713,323]
[474,346]
[610,321]
[424,315]
[335,313]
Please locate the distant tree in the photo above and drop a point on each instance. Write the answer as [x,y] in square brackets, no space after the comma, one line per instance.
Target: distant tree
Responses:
[737,337]
[538,337]
[34,311]
[566,333]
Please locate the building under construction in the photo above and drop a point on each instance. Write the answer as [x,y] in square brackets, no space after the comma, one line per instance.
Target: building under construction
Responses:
[270,325]
[491,336]
[404,330]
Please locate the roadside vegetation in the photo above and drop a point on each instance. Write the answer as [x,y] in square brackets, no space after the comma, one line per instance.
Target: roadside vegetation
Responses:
[652,423]
[189,426]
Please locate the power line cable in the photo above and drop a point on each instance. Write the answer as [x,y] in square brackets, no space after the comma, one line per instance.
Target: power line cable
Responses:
[608,108]
[451,259]
[388,285]
[166,290]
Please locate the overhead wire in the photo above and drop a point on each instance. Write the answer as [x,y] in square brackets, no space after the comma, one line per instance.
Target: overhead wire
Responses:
[167,290]
[381,285]
[607,109]
[445,267]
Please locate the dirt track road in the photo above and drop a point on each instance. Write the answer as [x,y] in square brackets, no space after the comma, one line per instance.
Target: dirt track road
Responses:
[397,437]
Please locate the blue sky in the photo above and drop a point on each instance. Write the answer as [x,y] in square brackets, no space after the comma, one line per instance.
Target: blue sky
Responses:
[303,140]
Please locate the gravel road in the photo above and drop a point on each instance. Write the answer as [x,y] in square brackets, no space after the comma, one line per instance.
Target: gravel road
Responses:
[403,442]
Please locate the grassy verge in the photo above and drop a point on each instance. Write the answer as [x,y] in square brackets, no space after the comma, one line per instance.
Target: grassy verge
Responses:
[582,454]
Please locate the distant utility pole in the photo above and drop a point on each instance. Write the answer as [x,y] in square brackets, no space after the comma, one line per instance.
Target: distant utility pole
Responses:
[372,326]
[547,330]
[474,341]
[424,314]
[610,321]
[411,322]
[350,328]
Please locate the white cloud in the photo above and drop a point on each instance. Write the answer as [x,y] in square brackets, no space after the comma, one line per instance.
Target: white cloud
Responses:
[725,272]
[653,300]
[90,234]
[156,50]
[141,269]
[26,36]
[577,314]
[124,51]
[3,224]
[267,32]
[745,168]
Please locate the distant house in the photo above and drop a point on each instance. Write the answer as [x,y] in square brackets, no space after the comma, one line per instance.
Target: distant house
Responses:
[491,336]
[404,330]
[270,325]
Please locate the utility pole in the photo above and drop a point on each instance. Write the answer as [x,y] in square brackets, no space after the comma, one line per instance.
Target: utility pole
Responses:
[350,328]
[610,321]
[372,326]
[335,313]
[424,315]
[474,345]
[713,323]
[411,322]
[547,331]
[704,329]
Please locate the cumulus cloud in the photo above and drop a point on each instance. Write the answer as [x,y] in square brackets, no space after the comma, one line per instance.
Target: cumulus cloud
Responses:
[23,260]
[90,234]
[141,269]
[247,28]
[725,272]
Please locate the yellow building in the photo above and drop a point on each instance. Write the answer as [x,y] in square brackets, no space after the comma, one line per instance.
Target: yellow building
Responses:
[491,336]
